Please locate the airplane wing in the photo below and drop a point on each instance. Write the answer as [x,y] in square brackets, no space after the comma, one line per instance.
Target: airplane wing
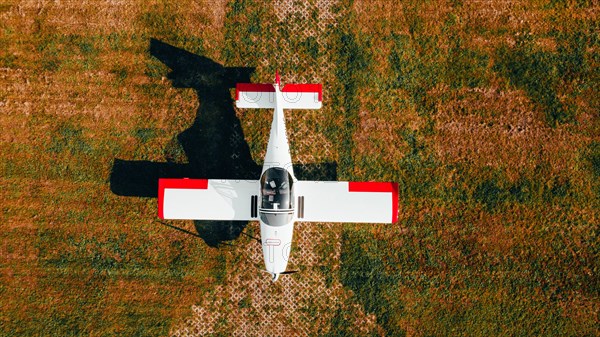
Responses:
[208,199]
[339,201]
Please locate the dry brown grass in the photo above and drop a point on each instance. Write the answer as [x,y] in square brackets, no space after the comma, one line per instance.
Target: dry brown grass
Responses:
[499,129]
[77,84]
[41,196]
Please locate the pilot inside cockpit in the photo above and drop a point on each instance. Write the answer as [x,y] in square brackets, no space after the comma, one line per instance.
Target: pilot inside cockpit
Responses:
[270,190]
[275,189]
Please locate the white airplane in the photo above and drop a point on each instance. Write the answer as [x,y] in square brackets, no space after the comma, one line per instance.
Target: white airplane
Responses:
[277,199]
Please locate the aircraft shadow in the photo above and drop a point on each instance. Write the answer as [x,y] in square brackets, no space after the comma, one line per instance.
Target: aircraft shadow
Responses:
[214,144]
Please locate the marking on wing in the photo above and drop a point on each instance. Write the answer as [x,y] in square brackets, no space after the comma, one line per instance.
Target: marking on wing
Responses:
[313,88]
[370,187]
[253,206]
[272,242]
[300,207]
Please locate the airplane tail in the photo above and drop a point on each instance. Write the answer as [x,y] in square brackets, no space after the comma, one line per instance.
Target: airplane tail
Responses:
[262,95]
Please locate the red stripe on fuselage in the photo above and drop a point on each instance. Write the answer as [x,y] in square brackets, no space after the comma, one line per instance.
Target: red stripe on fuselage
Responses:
[164,183]
[378,187]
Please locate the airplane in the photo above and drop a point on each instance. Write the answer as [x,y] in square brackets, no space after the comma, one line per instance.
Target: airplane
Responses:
[277,199]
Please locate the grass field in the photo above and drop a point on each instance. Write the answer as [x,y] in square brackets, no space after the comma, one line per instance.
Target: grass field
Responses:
[487,114]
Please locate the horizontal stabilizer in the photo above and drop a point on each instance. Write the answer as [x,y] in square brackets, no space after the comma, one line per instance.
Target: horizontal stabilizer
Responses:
[294,96]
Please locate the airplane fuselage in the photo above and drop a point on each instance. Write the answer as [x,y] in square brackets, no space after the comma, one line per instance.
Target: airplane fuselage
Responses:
[276,196]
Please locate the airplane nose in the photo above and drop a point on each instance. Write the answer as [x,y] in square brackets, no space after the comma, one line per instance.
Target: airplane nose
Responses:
[276,245]
[275,276]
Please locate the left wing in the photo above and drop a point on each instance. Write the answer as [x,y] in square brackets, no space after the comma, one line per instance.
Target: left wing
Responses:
[342,201]
[207,199]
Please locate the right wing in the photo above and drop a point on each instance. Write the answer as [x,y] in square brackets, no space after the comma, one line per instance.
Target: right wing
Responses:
[341,201]
[208,199]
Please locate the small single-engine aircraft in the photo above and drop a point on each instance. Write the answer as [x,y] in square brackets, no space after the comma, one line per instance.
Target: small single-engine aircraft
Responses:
[277,199]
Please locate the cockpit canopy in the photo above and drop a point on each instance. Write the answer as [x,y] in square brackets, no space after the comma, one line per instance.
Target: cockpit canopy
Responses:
[276,189]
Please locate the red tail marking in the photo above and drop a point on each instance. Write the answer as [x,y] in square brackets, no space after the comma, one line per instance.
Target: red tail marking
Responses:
[253,87]
[305,87]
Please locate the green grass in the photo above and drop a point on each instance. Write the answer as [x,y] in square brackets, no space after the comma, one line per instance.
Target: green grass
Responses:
[477,251]
[546,75]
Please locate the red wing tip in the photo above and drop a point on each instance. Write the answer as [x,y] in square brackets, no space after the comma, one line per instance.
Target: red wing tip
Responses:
[177,183]
[394,202]
[183,183]
[371,186]
[161,214]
